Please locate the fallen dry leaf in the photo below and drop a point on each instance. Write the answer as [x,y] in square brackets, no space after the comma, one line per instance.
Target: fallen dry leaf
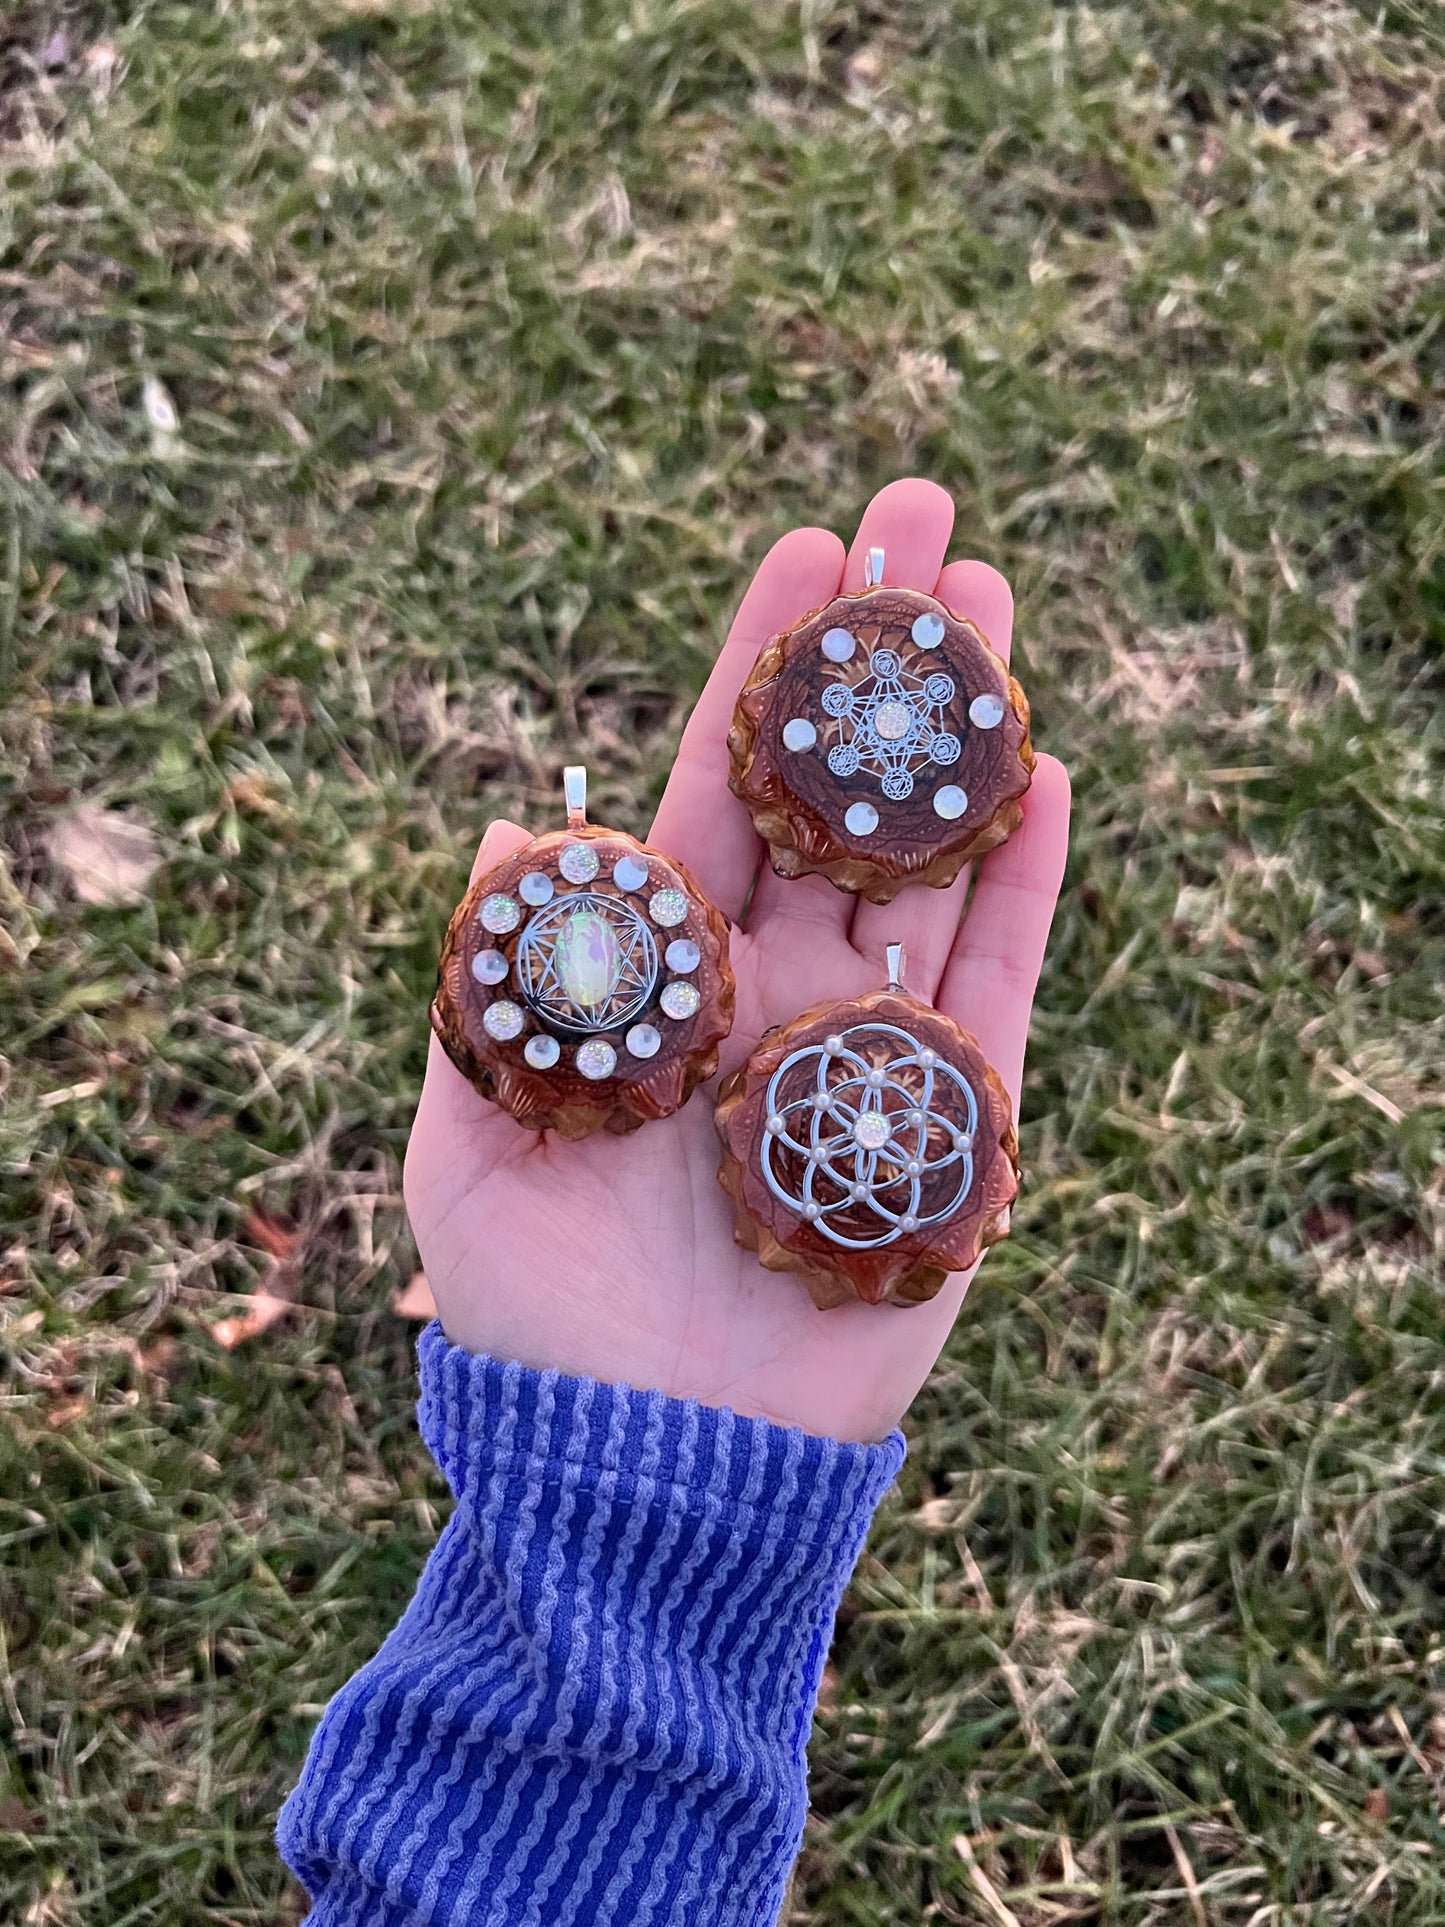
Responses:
[416,1300]
[270,1234]
[108,857]
[65,1411]
[263,1309]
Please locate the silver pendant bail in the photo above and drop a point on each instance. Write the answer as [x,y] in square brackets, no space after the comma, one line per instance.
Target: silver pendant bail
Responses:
[574,788]
[895,966]
[873,570]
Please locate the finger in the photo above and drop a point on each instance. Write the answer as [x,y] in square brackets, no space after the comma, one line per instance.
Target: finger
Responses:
[925,921]
[449,1110]
[975,590]
[699,818]
[988,985]
[911,522]
[502,839]
[784,907]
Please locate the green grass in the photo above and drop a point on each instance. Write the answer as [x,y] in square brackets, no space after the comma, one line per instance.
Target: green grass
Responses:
[503,338]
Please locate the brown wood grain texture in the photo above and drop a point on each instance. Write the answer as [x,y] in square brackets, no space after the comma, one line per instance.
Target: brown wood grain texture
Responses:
[561,1099]
[798,804]
[914,1266]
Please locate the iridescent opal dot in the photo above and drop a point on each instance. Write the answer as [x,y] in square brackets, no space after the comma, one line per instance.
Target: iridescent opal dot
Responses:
[871,1130]
[578,863]
[680,1001]
[499,913]
[892,721]
[587,959]
[503,1020]
[668,907]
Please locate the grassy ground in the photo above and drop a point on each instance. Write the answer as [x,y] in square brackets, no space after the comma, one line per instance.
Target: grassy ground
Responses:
[500,340]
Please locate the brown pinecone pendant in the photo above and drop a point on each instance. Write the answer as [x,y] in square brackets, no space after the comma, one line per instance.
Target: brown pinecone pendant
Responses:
[584,983]
[869,1146]
[881,742]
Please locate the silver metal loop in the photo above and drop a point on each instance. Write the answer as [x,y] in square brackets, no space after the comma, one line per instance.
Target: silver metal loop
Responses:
[574,788]
[873,570]
[896,960]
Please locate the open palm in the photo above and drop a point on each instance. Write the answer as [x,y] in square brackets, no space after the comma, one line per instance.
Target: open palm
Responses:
[614,1257]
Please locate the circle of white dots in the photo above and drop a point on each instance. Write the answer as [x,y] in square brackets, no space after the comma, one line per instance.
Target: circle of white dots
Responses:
[856,1166]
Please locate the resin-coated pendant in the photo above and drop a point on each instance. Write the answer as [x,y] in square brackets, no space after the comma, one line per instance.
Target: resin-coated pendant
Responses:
[584,983]
[881,742]
[869,1146]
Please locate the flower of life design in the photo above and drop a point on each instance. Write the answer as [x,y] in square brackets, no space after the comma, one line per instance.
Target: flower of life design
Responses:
[891,723]
[587,963]
[860,1127]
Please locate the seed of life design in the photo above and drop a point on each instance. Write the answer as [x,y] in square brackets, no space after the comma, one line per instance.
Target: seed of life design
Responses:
[869,1136]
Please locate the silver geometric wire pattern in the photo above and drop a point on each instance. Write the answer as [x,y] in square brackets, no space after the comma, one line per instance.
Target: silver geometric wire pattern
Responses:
[858,1126]
[891,723]
[621,963]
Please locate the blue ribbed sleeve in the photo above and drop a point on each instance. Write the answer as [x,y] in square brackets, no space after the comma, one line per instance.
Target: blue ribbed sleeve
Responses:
[596,1708]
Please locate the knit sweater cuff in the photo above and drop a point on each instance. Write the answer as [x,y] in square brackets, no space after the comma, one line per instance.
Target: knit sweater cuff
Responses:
[597,1706]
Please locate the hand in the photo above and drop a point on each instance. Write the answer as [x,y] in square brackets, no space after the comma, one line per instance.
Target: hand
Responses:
[614,1257]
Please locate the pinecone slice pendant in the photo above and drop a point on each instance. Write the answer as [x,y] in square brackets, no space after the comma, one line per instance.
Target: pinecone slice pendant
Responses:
[881,742]
[870,1147]
[584,982]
